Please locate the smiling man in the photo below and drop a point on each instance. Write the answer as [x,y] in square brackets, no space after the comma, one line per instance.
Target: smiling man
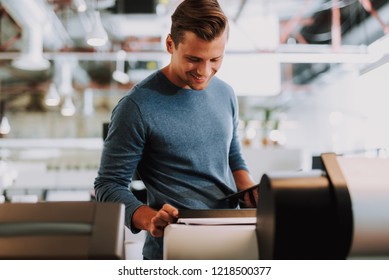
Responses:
[179,129]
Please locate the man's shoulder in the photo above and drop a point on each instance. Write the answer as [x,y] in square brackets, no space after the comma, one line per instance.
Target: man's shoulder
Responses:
[216,81]
[150,79]
[143,88]
[222,86]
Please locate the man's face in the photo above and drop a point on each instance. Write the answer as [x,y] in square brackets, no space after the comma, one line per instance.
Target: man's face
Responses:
[195,61]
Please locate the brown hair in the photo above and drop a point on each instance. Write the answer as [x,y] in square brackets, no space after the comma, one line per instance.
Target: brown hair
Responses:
[205,18]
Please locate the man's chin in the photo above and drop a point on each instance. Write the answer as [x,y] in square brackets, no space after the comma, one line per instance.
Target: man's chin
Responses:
[198,86]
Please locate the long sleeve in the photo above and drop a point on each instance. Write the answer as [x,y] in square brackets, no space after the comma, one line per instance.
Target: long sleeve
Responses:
[121,153]
[235,156]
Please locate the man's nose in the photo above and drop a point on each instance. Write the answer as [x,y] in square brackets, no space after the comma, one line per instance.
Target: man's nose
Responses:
[204,69]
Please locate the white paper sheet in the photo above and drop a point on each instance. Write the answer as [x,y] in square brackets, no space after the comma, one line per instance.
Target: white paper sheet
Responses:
[218,221]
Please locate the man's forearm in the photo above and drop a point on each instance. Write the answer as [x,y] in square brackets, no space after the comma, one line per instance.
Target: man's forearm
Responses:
[141,219]
[243,179]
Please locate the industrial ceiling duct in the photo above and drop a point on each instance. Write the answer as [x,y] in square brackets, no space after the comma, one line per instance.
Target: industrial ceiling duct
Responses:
[31,17]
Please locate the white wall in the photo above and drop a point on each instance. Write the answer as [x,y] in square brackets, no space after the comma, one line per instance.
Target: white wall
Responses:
[348,113]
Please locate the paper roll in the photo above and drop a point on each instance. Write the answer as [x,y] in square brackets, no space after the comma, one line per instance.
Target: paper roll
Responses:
[368,184]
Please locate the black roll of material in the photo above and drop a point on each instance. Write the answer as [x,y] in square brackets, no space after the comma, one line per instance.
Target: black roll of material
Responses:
[305,216]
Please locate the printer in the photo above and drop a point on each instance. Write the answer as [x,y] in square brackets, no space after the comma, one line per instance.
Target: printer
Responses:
[338,212]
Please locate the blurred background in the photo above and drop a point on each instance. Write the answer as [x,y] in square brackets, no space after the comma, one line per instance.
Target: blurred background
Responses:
[310,76]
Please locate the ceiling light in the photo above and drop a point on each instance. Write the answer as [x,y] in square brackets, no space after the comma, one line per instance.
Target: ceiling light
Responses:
[52,97]
[80,5]
[97,37]
[31,63]
[68,109]
[31,58]
[5,127]
[119,75]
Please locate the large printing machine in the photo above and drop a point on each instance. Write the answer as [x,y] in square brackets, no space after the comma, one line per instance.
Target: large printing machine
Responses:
[338,212]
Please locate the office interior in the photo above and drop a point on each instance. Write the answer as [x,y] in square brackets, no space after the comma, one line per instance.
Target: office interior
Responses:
[310,78]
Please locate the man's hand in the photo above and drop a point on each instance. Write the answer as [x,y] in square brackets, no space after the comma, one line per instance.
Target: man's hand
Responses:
[251,198]
[146,218]
[165,216]
[244,181]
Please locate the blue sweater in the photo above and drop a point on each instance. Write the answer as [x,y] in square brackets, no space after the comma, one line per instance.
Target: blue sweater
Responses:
[183,142]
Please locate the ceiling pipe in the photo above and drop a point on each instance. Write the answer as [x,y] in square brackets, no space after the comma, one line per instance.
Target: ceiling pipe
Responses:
[31,18]
[293,23]
[368,6]
[336,33]
[367,31]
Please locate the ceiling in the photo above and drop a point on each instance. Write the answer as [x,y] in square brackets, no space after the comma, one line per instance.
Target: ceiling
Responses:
[300,21]
[138,27]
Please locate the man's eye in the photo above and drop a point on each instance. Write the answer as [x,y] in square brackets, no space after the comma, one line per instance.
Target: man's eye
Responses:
[193,59]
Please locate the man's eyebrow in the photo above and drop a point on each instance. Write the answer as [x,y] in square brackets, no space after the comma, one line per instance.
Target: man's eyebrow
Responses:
[199,58]
[192,56]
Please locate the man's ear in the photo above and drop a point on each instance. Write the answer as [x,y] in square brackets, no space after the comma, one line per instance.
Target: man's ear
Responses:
[169,44]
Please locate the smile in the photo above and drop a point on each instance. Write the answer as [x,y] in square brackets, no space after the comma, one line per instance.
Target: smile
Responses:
[197,78]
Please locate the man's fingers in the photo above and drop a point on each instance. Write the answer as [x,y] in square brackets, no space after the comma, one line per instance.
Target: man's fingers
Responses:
[172,211]
[251,199]
[167,215]
[156,231]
